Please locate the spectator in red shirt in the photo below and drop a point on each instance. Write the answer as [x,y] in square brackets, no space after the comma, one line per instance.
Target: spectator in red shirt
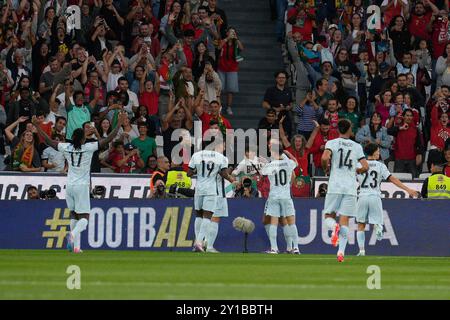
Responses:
[228,65]
[146,36]
[45,126]
[149,94]
[302,21]
[214,114]
[438,26]
[125,159]
[440,130]
[420,18]
[383,106]
[332,115]
[408,145]
[297,147]
[316,143]
[391,8]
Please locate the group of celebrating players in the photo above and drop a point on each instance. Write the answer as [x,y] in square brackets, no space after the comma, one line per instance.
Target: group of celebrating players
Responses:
[348,168]
[343,160]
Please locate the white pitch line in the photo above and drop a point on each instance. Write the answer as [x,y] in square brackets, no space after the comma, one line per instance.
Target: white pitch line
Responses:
[218,285]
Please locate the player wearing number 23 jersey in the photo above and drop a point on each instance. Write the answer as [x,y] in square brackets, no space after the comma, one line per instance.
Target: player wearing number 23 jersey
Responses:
[370,209]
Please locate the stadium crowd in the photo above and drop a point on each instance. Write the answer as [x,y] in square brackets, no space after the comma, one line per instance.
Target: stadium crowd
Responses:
[168,63]
[383,65]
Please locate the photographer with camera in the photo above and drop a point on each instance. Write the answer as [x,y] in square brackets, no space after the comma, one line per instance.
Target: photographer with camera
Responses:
[32,193]
[49,194]
[159,191]
[160,174]
[322,192]
[246,189]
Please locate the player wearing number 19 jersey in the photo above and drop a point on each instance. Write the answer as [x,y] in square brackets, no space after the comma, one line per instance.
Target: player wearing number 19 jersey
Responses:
[369,208]
[78,155]
[207,164]
[342,185]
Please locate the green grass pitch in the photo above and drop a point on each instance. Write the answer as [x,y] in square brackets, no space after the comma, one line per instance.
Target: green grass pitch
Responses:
[41,274]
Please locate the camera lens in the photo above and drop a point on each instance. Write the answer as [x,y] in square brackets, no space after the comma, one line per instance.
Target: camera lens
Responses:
[51,194]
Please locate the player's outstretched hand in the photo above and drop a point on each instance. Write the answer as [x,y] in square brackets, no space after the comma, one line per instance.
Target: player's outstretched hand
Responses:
[413,193]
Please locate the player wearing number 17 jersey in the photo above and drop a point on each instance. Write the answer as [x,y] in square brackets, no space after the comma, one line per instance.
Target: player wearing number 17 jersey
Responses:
[207,164]
[369,208]
[78,155]
[342,185]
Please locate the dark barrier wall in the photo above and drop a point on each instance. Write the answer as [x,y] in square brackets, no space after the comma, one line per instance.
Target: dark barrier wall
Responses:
[412,227]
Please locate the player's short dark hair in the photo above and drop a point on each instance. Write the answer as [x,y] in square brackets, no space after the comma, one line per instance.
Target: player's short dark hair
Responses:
[344,125]
[370,149]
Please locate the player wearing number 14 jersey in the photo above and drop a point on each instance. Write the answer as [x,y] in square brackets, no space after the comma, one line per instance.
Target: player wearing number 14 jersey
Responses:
[369,208]
[342,185]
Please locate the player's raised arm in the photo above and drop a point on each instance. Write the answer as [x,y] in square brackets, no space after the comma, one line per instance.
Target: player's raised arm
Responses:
[361,159]
[113,134]
[48,141]
[398,183]
[326,156]
[224,174]
[190,172]
[290,156]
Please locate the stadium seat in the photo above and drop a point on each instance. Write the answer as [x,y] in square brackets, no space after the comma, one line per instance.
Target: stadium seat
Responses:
[402,175]
[391,166]
[423,176]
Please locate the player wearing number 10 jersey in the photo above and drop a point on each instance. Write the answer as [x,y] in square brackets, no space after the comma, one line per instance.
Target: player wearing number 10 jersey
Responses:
[79,155]
[279,203]
[342,185]
[369,208]
[207,198]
